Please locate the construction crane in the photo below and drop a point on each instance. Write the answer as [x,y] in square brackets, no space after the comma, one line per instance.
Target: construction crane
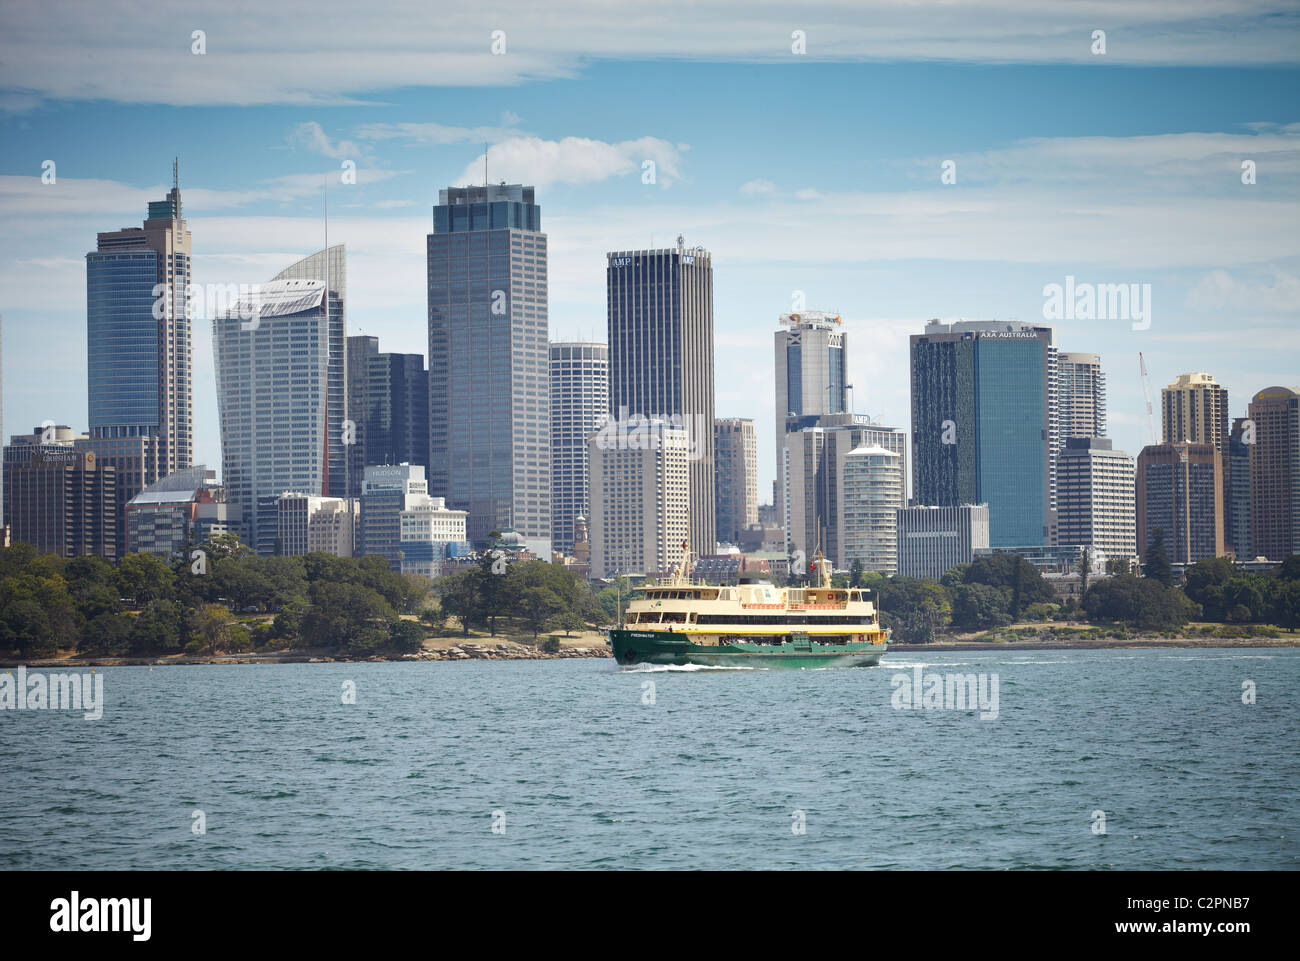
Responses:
[1146,392]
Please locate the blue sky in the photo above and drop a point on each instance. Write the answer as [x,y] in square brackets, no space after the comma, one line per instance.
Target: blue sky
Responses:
[817,173]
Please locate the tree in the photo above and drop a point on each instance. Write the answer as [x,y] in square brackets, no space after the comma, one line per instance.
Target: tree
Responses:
[214,625]
[144,578]
[458,597]
[568,622]
[1085,568]
[855,573]
[977,605]
[1141,602]
[1155,564]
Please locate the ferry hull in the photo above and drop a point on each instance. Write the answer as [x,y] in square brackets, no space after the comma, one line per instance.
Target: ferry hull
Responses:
[659,647]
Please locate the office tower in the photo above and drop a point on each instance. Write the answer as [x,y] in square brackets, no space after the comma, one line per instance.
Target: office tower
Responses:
[489,399]
[3,542]
[932,540]
[984,423]
[401,522]
[661,358]
[579,384]
[1275,473]
[183,510]
[640,498]
[139,354]
[872,493]
[1180,492]
[58,498]
[308,524]
[815,499]
[1240,441]
[1081,397]
[735,451]
[1095,497]
[280,391]
[811,372]
[388,407]
[1194,408]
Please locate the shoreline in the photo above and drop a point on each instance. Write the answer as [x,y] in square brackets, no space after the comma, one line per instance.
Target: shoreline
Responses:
[515,651]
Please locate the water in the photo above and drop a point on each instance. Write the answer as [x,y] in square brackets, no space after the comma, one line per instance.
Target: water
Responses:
[708,776]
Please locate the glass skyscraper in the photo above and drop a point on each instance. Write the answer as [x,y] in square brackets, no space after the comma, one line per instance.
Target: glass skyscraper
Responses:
[388,402]
[984,426]
[579,405]
[280,399]
[661,358]
[489,393]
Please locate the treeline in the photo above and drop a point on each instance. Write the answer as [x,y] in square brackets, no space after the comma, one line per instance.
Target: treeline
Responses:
[146,606]
[1000,589]
[531,596]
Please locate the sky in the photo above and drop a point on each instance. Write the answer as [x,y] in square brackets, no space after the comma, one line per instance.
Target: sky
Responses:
[814,175]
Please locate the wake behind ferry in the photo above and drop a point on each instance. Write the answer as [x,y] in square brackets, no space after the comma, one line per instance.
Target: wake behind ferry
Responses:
[753,624]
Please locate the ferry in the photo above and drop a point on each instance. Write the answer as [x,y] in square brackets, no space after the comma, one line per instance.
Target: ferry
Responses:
[751,624]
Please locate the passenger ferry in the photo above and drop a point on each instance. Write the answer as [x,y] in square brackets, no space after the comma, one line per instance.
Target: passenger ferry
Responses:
[753,624]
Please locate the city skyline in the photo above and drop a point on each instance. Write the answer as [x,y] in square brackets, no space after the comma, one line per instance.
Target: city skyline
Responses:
[1132,176]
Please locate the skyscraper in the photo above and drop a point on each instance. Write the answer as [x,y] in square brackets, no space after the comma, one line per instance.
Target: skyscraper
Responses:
[401,522]
[489,396]
[59,498]
[1095,497]
[984,423]
[1194,408]
[661,359]
[139,346]
[1180,492]
[1240,442]
[579,405]
[1081,397]
[280,399]
[388,405]
[735,449]
[1275,473]
[811,372]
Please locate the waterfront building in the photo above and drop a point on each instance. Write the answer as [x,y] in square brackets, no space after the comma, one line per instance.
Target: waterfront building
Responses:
[1180,492]
[735,446]
[1095,497]
[579,386]
[1275,473]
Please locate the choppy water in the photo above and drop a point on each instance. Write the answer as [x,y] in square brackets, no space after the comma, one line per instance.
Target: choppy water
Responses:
[709,775]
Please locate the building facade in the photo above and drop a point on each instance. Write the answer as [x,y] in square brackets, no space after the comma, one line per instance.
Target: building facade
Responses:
[873,491]
[640,500]
[1096,497]
[735,451]
[579,385]
[1081,397]
[489,395]
[931,540]
[308,524]
[1275,473]
[1180,492]
[984,424]
[402,523]
[660,309]
[60,500]
[388,409]
[280,399]
[1240,440]
[811,372]
[185,508]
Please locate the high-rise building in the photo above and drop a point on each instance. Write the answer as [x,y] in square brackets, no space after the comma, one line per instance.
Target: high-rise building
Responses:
[489,396]
[1095,497]
[811,372]
[1080,397]
[308,524]
[1275,473]
[640,498]
[388,407]
[984,425]
[401,522]
[661,359]
[817,496]
[931,540]
[735,451]
[873,490]
[579,405]
[1240,441]
[280,398]
[139,346]
[58,498]
[1180,492]
[1194,409]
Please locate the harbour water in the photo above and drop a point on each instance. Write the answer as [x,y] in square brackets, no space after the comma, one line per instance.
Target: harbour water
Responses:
[578,764]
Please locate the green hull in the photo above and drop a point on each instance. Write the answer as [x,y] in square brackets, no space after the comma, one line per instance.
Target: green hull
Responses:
[659,647]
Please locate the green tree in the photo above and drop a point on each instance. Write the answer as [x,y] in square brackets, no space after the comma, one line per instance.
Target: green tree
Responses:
[1155,564]
[144,578]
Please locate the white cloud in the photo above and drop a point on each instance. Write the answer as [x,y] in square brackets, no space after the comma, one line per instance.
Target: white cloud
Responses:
[323,52]
[756,188]
[574,160]
[311,136]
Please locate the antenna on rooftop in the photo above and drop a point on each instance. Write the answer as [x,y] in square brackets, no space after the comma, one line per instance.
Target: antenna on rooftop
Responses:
[485,176]
[176,173]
